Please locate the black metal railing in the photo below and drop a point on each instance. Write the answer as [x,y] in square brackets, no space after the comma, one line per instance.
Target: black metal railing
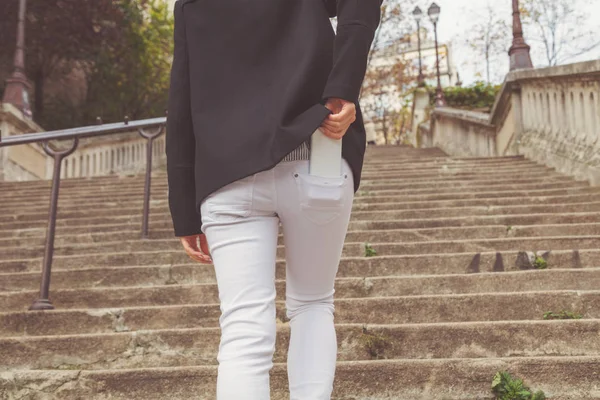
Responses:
[149,129]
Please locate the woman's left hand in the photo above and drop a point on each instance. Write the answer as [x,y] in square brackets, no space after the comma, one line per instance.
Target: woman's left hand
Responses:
[336,125]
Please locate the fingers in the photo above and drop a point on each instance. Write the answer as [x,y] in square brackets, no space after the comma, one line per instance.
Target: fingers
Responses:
[335,126]
[194,251]
[347,112]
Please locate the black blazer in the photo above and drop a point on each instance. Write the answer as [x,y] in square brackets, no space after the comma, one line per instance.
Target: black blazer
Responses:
[249,82]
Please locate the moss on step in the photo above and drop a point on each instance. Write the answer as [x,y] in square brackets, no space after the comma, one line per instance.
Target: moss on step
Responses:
[374,343]
[562,315]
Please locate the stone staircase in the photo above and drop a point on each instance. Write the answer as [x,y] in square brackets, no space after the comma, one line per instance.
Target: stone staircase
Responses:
[450,297]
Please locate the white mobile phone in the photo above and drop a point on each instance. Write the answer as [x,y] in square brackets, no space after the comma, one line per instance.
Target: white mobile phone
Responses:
[325,155]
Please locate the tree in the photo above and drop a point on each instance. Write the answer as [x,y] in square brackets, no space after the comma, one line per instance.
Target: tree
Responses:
[488,37]
[59,33]
[560,26]
[91,58]
[132,78]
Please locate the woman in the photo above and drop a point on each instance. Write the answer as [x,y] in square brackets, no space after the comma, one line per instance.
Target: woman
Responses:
[250,82]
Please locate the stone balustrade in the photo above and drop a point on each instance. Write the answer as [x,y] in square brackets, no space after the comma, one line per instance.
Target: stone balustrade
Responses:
[550,115]
[122,153]
[109,157]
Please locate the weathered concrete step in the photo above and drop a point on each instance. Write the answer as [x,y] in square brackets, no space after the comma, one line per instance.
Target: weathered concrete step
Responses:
[426,165]
[431,213]
[134,189]
[346,287]
[31,230]
[371,236]
[361,199]
[189,273]
[372,161]
[439,193]
[360,204]
[190,347]
[165,272]
[561,378]
[160,192]
[564,258]
[355,249]
[507,306]
[397,172]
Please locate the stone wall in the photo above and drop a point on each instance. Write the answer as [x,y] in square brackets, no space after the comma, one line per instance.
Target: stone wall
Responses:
[462,133]
[19,163]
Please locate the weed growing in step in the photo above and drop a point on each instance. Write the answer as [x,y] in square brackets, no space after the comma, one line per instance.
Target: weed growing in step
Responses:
[540,263]
[374,343]
[505,387]
[509,228]
[562,315]
[369,251]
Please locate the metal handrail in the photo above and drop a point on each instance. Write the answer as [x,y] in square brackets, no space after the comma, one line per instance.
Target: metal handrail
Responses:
[149,129]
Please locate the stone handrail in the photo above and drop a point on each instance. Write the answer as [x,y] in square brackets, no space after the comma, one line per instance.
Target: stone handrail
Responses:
[550,115]
[124,153]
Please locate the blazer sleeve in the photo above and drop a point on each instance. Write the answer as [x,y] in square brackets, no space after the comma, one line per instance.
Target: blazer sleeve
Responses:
[180,142]
[357,22]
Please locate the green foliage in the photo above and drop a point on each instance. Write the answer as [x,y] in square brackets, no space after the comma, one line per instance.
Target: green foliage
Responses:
[369,251]
[562,315]
[540,263]
[106,58]
[505,387]
[479,96]
[133,79]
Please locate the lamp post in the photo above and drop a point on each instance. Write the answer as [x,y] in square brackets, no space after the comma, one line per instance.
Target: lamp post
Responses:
[519,51]
[418,14]
[434,15]
[17,86]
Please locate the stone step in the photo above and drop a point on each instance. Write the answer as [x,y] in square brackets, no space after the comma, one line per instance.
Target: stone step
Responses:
[422,245]
[505,306]
[406,168]
[361,198]
[346,287]
[430,213]
[360,204]
[160,190]
[371,236]
[168,273]
[39,229]
[170,249]
[199,346]
[128,195]
[561,378]
[371,163]
[178,257]
[377,173]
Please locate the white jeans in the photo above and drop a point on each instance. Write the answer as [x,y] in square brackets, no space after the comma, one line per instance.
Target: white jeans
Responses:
[241,223]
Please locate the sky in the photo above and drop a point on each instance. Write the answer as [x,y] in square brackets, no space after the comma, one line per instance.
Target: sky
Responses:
[458,15]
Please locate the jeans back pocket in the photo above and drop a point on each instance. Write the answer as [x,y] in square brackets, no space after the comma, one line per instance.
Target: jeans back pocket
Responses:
[321,199]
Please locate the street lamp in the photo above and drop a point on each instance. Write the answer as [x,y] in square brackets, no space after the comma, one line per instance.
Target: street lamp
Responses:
[418,14]
[434,15]
[519,51]
[17,86]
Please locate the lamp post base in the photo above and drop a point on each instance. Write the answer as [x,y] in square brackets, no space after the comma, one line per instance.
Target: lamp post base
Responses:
[41,304]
